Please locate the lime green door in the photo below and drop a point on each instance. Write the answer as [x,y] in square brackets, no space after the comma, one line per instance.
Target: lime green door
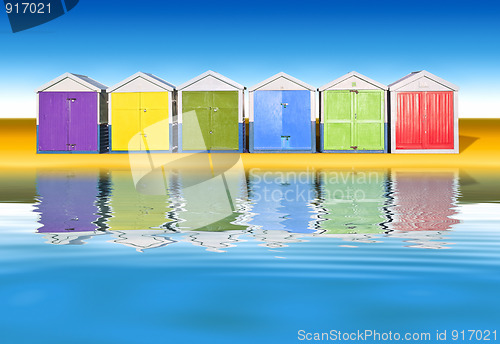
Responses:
[210,120]
[224,120]
[196,120]
[369,120]
[353,120]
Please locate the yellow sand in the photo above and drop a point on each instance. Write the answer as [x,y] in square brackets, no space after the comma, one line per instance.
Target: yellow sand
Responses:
[479,149]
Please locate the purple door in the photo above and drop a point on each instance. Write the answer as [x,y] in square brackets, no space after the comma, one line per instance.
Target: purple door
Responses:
[67,202]
[68,121]
[53,121]
[82,109]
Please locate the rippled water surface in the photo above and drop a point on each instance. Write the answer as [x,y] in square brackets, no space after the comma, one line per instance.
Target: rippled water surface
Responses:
[98,257]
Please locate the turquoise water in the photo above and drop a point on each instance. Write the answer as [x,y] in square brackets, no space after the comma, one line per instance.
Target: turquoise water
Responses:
[94,258]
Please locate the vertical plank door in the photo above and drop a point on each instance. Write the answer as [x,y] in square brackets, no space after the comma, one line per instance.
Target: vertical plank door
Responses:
[409,122]
[155,125]
[224,120]
[369,120]
[296,120]
[53,121]
[267,122]
[196,120]
[439,120]
[82,124]
[338,120]
[125,125]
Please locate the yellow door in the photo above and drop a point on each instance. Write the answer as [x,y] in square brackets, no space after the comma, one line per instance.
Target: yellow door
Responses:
[155,121]
[125,122]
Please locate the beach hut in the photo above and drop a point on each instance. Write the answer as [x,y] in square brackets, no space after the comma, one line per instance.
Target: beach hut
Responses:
[353,115]
[72,115]
[141,114]
[423,115]
[282,116]
[210,109]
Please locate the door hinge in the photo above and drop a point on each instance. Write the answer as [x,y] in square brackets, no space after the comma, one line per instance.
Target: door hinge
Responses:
[355,91]
[354,147]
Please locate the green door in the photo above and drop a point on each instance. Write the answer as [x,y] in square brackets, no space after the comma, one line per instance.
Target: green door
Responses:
[210,120]
[224,120]
[196,120]
[369,120]
[354,120]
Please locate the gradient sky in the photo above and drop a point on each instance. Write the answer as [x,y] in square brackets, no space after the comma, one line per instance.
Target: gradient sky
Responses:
[248,41]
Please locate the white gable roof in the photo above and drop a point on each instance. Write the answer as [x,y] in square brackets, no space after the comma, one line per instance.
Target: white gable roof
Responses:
[212,74]
[412,77]
[284,76]
[147,76]
[83,80]
[356,74]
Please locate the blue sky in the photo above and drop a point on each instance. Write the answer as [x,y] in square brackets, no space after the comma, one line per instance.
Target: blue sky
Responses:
[250,41]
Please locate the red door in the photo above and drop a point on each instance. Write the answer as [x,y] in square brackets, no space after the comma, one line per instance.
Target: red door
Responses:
[425,120]
[439,114]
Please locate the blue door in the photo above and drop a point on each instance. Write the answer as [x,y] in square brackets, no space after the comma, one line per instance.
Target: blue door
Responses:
[296,120]
[267,120]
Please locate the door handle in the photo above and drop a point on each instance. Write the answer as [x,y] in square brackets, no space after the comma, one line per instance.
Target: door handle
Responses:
[145,110]
[211,132]
[216,109]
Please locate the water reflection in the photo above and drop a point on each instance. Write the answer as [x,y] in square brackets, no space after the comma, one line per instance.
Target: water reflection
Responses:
[67,203]
[271,209]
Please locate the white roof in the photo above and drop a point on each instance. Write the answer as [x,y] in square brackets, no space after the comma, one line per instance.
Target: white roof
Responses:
[214,75]
[147,76]
[356,74]
[84,80]
[281,75]
[414,76]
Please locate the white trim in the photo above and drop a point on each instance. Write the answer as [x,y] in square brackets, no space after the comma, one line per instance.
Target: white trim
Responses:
[216,75]
[347,76]
[322,108]
[179,108]
[285,76]
[37,109]
[241,100]
[394,119]
[76,78]
[146,76]
[250,99]
[456,143]
[110,113]
[313,106]
[412,77]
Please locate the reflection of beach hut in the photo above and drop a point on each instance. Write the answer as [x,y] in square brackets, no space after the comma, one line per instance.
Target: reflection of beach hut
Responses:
[353,115]
[424,116]
[282,202]
[133,210]
[210,109]
[137,219]
[72,115]
[67,206]
[282,115]
[353,203]
[141,114]
[423,201]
